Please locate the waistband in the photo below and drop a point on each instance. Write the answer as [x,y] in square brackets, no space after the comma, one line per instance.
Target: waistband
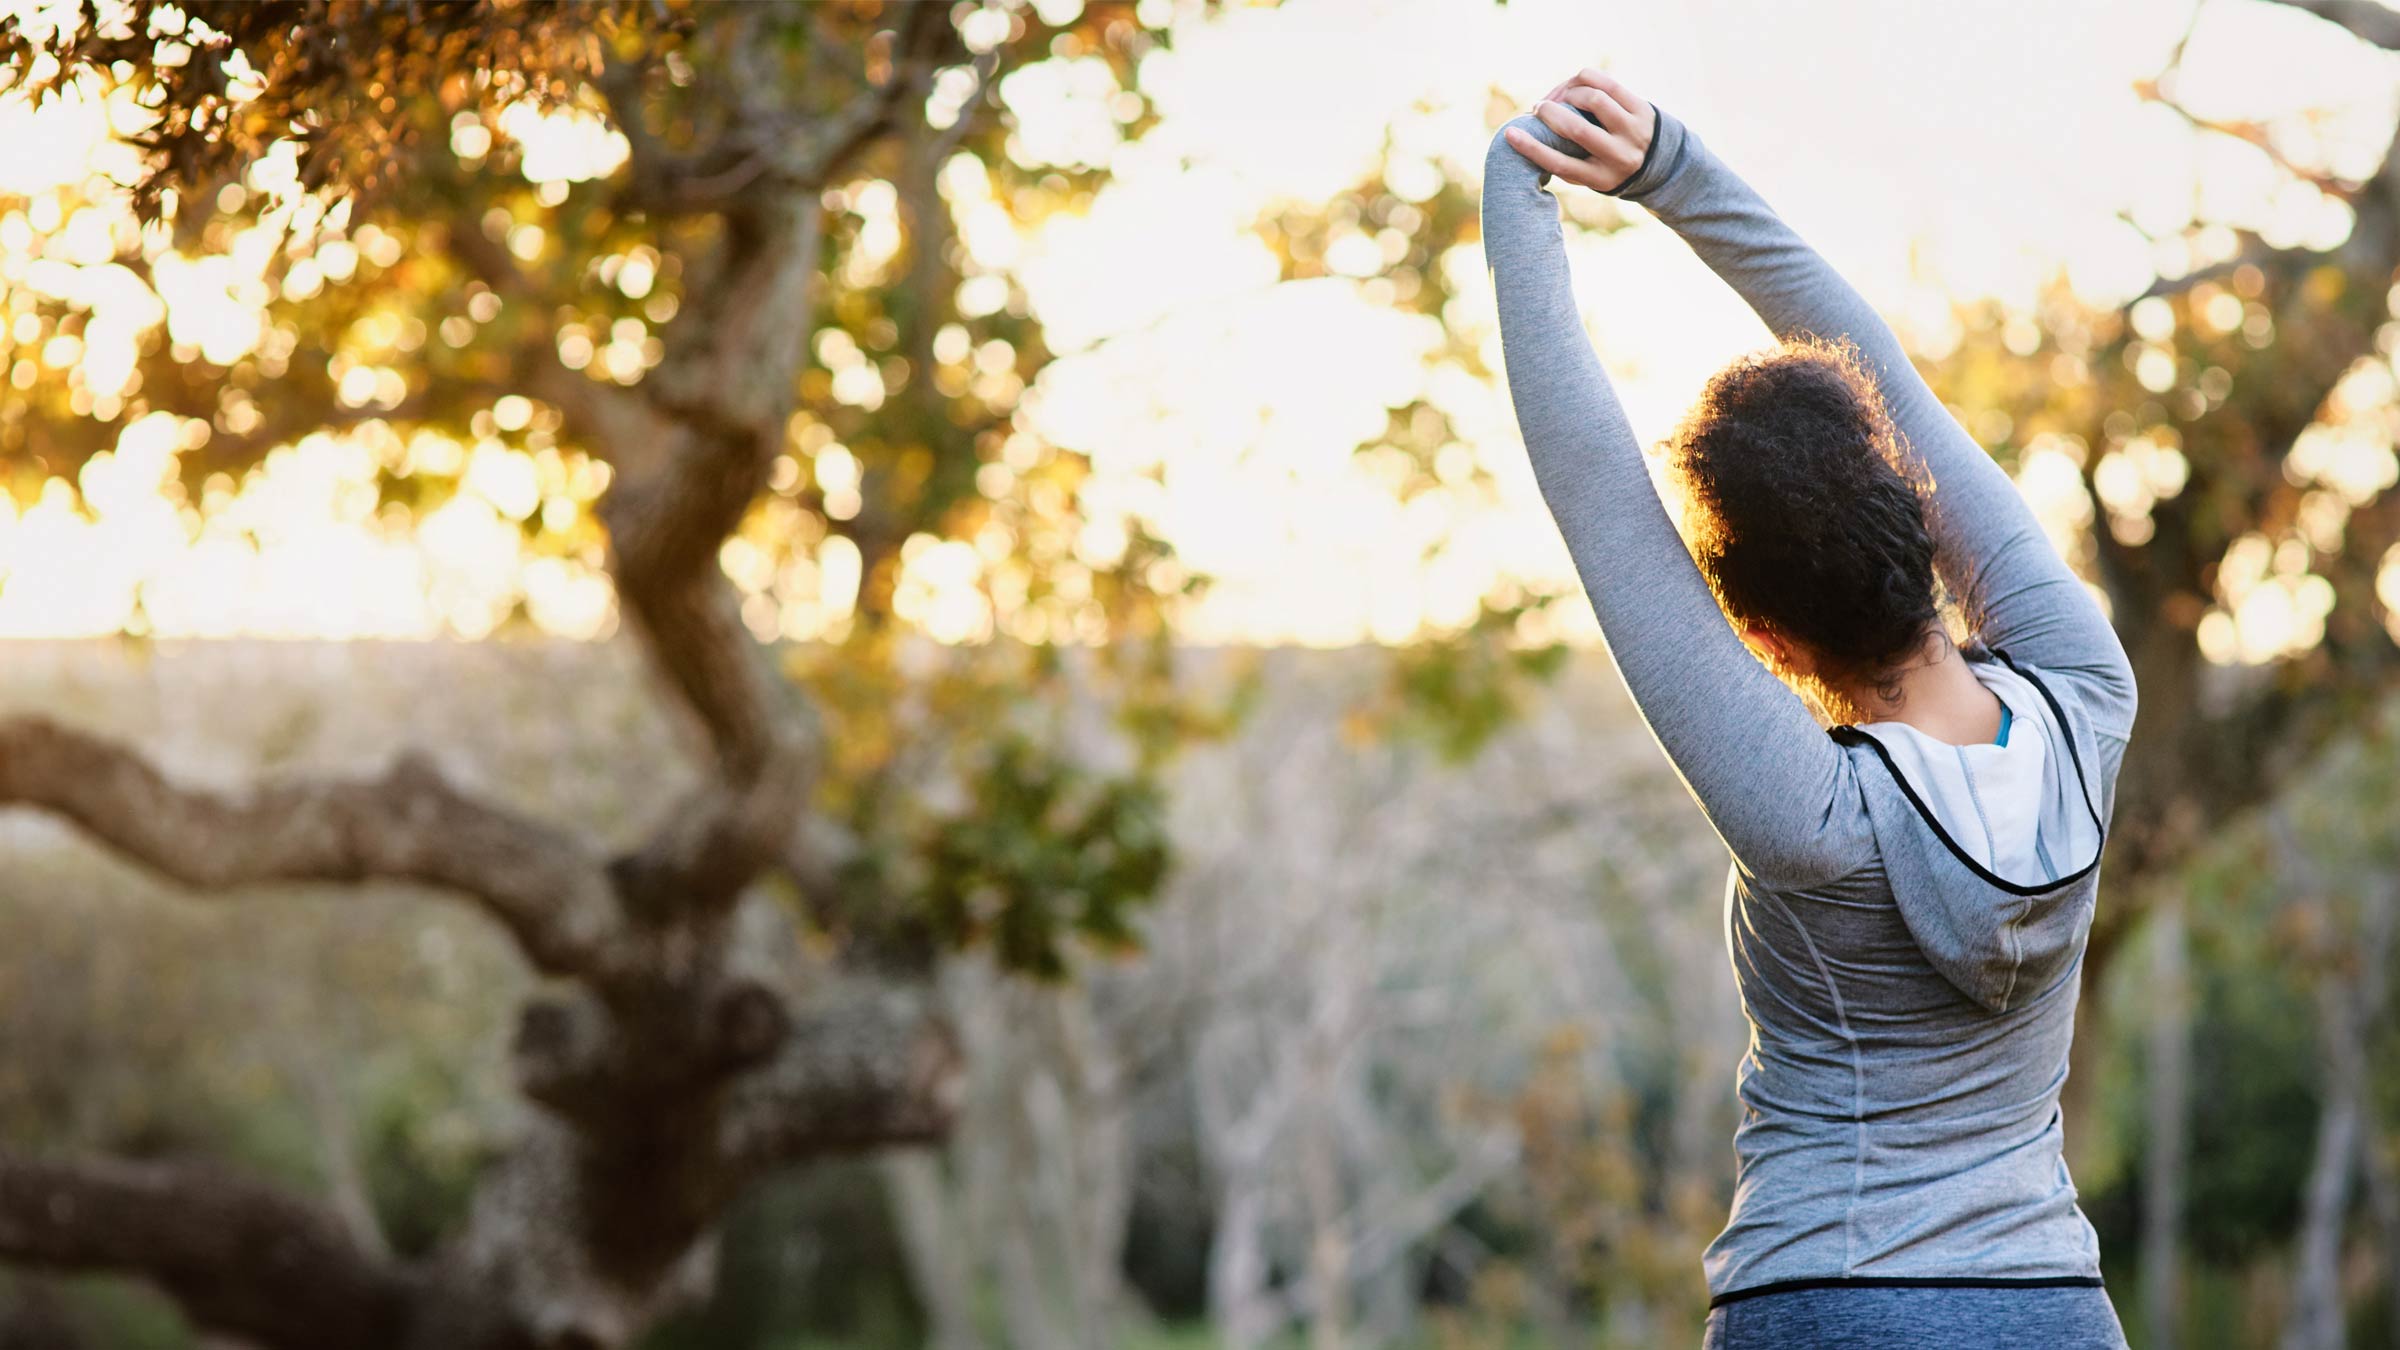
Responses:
[1908,1282]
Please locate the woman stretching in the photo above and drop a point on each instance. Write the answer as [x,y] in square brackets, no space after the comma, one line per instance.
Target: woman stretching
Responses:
[1913,877]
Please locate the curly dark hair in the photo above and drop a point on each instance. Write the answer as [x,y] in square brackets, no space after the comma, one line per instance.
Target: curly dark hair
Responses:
[1804,513]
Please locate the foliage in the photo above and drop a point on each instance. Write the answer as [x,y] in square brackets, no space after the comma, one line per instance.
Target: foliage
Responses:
[677,296]
[230,84]
[1457,690]
[420,245]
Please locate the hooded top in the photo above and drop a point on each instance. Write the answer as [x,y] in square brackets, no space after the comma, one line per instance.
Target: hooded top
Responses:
[2019,821]
[1906,918]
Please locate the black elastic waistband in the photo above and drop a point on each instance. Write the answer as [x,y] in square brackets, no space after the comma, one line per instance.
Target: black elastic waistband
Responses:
[1908,1282]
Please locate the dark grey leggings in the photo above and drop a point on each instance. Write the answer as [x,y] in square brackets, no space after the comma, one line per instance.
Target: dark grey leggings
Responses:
[1863,1317]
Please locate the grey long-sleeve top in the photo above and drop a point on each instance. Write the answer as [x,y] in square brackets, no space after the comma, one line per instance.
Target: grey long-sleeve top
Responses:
[1910,1007]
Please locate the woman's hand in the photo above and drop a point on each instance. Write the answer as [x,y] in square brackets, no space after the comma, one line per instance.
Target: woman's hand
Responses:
[1616,145]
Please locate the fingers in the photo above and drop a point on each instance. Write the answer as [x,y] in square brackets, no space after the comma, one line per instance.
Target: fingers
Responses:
[1561,87]
[1615,116]
[1571,125]
[1612,156]
[1613,136]
[1558,163]
[1595,78]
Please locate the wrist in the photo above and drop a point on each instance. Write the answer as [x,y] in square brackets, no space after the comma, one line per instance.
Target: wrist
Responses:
[1669,144]
[1649,152]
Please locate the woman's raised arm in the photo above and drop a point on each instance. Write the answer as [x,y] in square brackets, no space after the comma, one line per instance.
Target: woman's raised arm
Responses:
[1991,551]
[1776,788]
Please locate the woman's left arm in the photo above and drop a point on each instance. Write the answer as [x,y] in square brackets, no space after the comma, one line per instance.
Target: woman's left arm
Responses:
[1775,787]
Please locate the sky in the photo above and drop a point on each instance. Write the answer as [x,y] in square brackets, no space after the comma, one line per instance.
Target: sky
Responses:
[1932,152]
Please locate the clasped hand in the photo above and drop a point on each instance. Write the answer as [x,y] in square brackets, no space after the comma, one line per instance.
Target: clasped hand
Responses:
[1616,145]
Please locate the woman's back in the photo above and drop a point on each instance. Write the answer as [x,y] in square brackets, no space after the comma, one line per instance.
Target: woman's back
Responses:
[1899,1110]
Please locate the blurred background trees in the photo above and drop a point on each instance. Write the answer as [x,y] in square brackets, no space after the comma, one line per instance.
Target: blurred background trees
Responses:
[908,931]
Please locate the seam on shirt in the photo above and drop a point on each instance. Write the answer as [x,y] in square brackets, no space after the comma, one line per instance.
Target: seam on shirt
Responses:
[1858,1083]
[2016,961]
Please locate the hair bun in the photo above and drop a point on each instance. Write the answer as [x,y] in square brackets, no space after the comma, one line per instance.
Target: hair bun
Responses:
[1802,511]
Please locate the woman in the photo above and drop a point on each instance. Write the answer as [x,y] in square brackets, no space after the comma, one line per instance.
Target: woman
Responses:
[1911,885]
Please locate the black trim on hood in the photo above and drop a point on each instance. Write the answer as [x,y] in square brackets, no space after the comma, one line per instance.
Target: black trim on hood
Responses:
[1850,735]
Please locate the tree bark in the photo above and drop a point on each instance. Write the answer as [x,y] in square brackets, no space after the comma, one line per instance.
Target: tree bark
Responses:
[240,1257]
[543,884]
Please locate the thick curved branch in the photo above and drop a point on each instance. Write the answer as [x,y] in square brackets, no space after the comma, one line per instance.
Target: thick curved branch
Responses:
[660,180]
[694,443]
[722,835]
[240,1258]
[773,147]
[727,389]
[2366,20]
[543,884]
[925,41]
[876,1070]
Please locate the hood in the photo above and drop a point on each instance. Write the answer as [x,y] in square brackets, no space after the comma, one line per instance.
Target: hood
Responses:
[1991,849]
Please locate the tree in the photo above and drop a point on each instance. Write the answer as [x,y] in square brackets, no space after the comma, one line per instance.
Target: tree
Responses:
[635,338]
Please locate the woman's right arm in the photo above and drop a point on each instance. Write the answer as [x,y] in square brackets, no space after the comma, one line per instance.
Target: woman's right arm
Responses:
[1777,790]
[1992,552]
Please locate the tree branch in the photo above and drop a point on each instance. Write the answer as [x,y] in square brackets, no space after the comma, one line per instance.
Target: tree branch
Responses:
[2255,135]
[543,884]
[726,391]
[694,442]
[660,180]
[240,1257]
[725,833]
[777,148]
[876,1070]
[926,40]
[691,447]
[2366,20]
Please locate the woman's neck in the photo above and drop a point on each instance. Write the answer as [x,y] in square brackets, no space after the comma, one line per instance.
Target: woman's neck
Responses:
[1938,695]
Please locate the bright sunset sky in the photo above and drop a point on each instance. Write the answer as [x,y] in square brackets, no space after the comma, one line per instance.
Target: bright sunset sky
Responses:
[1931,151]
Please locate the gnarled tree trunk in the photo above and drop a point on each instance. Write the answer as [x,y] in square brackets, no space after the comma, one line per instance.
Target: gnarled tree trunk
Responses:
[667,1075]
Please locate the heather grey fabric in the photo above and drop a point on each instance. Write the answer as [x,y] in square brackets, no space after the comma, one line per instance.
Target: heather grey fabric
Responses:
[1918,1319]
[1910,999]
